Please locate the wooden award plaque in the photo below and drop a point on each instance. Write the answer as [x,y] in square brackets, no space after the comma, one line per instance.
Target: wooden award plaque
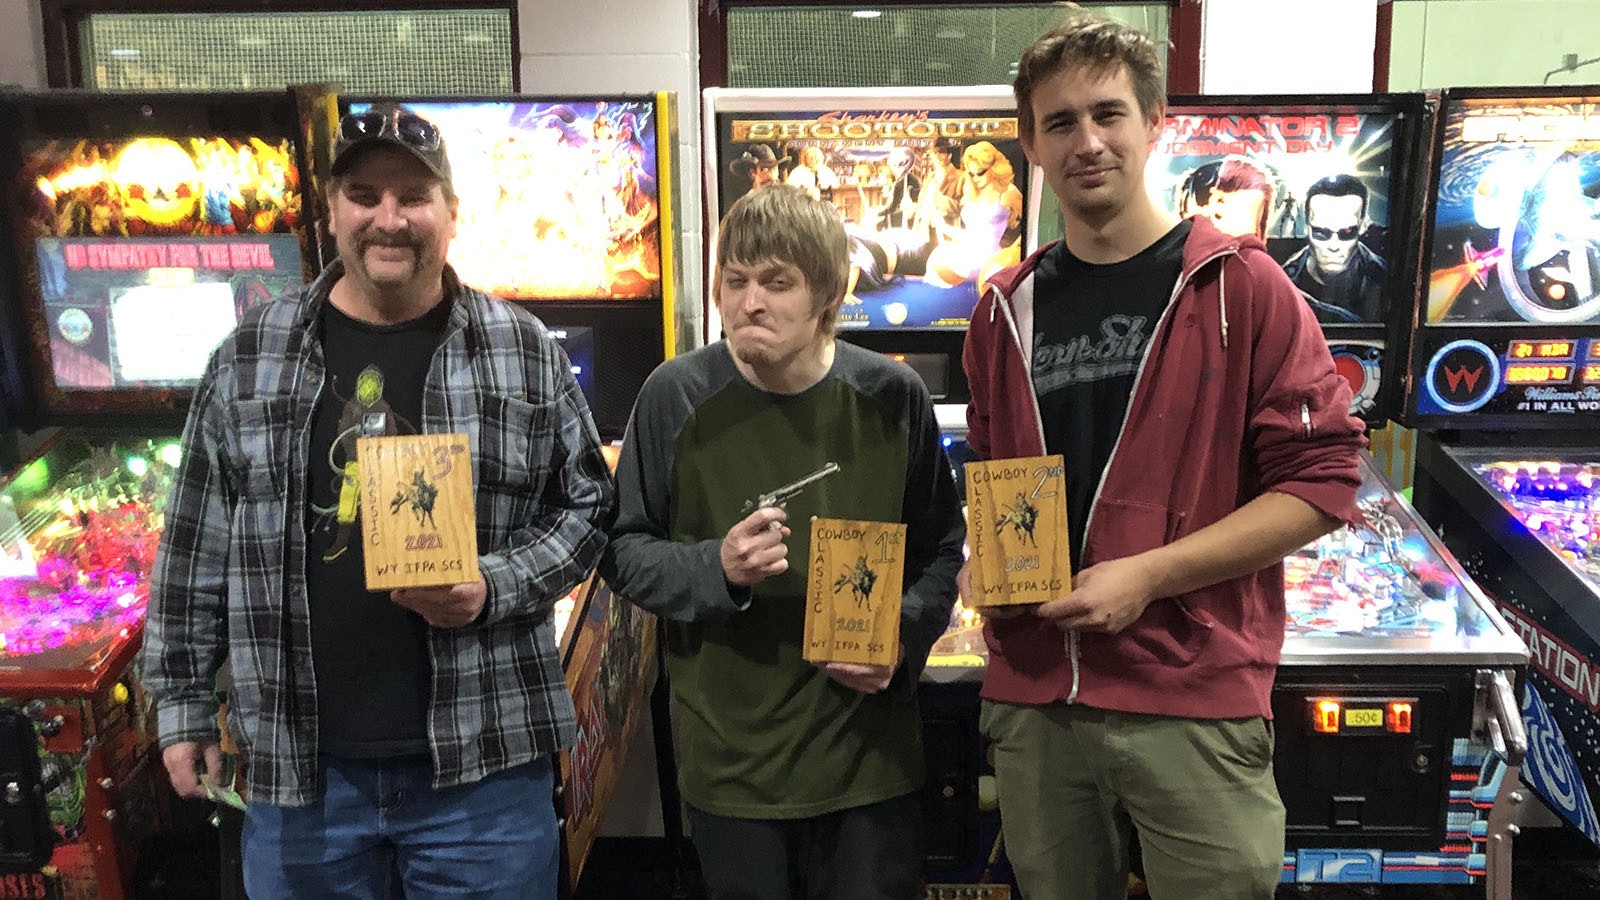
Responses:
[1017,531]
[418,516]
[853,591]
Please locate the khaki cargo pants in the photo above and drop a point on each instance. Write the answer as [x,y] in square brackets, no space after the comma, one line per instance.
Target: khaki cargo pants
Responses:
[1075,782]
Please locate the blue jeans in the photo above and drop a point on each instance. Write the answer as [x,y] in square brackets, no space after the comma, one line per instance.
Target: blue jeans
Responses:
[381,831]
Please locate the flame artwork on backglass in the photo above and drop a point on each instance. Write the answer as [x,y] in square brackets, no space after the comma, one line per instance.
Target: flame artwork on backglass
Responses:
[559,199]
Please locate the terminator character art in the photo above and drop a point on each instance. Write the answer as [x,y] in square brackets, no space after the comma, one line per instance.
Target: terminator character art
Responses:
[1314,187]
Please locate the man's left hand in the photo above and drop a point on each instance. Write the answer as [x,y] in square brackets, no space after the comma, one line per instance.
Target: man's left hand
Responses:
[1107,597]
[447,606]
[860,677]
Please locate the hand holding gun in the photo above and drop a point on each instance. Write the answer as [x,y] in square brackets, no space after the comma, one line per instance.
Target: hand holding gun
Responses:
[753,549]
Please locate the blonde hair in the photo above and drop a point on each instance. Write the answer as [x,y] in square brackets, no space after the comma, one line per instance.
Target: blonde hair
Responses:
[1000,169]
[785,223]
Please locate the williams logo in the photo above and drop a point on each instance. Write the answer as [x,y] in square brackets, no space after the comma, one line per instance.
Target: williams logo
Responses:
[1462,377]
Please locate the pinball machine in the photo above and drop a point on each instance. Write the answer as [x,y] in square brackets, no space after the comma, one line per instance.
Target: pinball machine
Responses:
[1328,184]
[140,227]
[1504,374]
[1381,619]
[1395,755]
[568,209]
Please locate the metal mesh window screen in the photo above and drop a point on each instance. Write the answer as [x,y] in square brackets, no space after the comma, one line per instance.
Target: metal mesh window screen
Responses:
[457,51]
[894,46]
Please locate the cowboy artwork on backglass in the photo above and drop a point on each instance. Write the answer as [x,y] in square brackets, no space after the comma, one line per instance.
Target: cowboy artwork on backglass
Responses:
[559,198]
[932,201]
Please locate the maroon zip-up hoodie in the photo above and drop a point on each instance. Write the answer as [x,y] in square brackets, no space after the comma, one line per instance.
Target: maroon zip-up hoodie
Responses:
[1236,395]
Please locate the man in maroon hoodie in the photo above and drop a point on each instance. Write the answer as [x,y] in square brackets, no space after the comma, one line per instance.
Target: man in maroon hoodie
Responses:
[1206,436]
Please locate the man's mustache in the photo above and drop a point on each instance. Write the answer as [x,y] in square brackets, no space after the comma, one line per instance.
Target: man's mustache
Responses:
[403,240]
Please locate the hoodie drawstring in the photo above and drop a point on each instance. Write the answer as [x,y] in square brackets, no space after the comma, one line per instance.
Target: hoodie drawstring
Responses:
[1222,301]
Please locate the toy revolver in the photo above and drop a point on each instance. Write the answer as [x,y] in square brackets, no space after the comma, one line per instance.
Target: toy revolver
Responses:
[783,495]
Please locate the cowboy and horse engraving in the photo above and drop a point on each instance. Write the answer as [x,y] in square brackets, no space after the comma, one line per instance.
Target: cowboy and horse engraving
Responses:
[1021,516]
[859,580]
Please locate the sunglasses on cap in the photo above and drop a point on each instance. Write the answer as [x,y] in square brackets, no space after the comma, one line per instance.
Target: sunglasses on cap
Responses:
[411,130]
[1343,234]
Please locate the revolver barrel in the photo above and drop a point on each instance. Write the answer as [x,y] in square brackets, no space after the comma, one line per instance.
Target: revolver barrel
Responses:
[782,495]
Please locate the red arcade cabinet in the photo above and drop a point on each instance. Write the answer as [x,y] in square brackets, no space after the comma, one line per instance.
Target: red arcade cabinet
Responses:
[139,228]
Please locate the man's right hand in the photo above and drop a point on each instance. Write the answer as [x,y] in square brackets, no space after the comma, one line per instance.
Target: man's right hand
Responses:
[183,761]
[753,549]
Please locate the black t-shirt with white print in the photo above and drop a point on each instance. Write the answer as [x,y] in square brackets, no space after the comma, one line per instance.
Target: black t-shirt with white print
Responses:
[374,676]
[1091,324]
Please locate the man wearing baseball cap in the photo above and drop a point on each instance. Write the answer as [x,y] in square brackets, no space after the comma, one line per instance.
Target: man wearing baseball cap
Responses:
[395,743]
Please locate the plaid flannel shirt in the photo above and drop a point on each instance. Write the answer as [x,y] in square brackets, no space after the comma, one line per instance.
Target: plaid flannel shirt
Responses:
[229,579]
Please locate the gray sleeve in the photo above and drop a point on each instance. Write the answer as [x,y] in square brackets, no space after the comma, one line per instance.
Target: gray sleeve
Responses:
[677,580]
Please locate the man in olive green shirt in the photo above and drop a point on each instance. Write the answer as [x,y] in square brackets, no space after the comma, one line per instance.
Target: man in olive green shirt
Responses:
[802,779]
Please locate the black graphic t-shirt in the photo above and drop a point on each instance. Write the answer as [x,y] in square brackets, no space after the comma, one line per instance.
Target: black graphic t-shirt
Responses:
[370,655]
[1091,324]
